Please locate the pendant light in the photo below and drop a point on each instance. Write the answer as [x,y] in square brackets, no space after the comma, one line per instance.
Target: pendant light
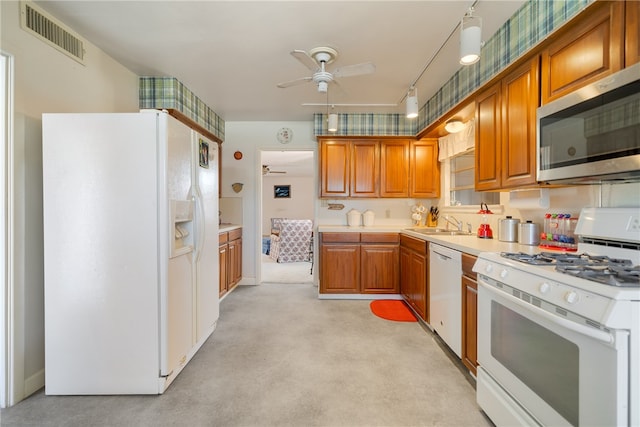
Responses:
[412,103]
[333,123]
[470,38]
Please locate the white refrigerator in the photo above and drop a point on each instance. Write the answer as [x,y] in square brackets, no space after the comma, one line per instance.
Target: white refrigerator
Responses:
[130,250]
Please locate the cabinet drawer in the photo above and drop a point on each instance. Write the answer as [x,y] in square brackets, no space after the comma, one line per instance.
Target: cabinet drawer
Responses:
[379,237]
[467,265]
[223,238]
[340,237]
[235,234]
[414,244]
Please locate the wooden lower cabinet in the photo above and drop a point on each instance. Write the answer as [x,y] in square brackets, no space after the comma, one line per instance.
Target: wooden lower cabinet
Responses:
[340,268]
[230,257]
[414,265]
[354,263]
[469,314]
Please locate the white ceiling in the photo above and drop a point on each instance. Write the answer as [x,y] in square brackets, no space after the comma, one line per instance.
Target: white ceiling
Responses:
[232,54]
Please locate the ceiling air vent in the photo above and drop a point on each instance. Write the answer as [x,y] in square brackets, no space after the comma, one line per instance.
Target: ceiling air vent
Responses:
[37,22]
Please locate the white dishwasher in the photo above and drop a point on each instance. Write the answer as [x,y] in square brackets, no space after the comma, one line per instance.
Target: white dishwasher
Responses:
[445,295]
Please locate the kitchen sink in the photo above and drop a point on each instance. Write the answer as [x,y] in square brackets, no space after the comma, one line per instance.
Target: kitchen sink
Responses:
[440,231]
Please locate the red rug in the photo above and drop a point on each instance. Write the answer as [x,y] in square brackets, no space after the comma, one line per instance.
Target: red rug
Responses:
[392,310]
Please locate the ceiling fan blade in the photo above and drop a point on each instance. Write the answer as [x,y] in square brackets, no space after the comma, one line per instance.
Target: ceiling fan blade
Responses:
[306,59]
[355,70]
[295,82]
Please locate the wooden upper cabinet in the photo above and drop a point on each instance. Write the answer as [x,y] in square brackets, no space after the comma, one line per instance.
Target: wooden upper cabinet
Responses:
[506,131]
[334,168]
[424,169]
[365,168]
[394,168]
[388,168]
[488,139]
[519,99]
[590,48]
[632,33]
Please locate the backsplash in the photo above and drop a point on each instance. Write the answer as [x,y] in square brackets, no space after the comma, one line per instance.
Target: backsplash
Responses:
[169,93]
[569,200]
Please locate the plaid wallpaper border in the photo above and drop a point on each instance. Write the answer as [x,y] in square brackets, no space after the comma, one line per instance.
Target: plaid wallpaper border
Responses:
[526,28]
[168,92]
[366,124]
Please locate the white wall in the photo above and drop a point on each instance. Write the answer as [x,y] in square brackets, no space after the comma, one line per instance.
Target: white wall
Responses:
[45,81]
[301,204]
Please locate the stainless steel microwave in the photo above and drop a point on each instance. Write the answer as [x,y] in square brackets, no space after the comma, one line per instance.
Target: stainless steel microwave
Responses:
[593,134]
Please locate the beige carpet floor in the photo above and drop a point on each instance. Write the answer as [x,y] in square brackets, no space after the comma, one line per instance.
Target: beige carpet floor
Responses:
[282,357]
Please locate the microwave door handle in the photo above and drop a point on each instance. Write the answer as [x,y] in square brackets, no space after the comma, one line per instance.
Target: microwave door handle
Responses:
[576,327]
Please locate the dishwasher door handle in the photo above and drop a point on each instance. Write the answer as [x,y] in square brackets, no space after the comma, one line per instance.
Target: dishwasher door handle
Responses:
[442,256]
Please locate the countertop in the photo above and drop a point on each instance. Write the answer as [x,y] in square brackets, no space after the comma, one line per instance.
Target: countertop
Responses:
[228,227]
[470,244]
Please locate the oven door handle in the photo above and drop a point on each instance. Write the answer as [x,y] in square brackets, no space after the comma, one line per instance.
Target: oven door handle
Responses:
[576,327]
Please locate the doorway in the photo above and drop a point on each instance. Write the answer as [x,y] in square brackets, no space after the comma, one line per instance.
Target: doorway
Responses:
[288,191]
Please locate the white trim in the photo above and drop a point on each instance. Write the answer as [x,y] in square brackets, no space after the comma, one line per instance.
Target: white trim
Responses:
[34,383]
[7,347]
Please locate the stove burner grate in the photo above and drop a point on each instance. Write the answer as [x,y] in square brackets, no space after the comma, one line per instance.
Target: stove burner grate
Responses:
[613,275]
[552,258]
[598,268]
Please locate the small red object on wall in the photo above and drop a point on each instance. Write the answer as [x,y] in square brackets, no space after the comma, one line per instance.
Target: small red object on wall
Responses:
[237,155]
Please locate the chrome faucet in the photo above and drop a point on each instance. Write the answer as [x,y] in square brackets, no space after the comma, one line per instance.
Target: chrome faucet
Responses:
[455,222]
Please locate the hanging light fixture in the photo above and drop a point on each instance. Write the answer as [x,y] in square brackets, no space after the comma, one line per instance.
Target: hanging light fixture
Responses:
[454,126]
[470,38]
[333,123]
[412,103]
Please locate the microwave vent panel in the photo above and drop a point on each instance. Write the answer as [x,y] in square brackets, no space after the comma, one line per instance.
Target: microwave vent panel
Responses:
[42,25]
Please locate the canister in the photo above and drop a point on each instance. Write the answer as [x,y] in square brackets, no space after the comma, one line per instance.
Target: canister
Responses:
[529,233]
[508,229]
[353,218]
[368,218]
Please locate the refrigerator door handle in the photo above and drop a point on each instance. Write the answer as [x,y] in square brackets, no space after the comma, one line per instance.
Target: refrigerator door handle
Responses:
[200,231]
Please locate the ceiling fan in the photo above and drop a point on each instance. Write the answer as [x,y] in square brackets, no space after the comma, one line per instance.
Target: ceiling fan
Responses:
[317,59]
[267,171]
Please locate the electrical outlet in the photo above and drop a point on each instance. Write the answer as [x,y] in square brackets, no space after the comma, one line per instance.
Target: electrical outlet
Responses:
[387,213]
[634,224]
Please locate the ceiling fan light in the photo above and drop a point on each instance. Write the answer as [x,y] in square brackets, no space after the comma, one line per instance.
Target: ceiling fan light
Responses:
[322,87]
[333,122]
[454,126]
[470,38]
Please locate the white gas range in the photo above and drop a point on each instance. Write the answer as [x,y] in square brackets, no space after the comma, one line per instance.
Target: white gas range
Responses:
[559,334]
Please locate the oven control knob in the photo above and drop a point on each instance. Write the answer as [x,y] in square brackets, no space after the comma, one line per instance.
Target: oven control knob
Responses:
[571,297]
[544,288]
[488,268]
[504,273]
